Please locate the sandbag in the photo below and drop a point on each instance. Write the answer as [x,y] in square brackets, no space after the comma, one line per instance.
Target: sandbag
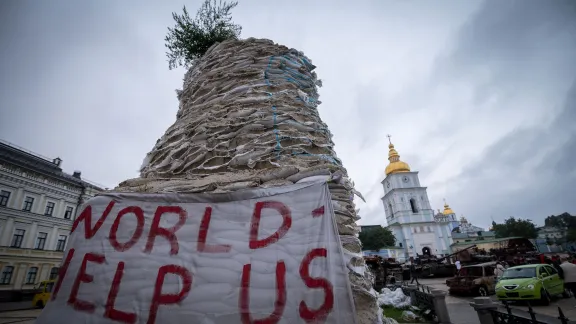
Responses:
[248,117]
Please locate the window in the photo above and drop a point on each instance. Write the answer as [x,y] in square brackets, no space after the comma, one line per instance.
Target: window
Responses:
[489,270]
[61,243]
[4,197]
[413,205]
[28,202]
[49,208]
[49,287]
[400,244]
[54,273]
[542,271]
[390,208]
[551,270]
[31,276]
[6,277]
[41,241]
[68,213]
[18,238]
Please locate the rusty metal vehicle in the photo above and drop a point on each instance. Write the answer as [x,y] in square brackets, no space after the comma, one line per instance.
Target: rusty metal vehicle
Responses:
[442,267]
[385,271]
[478,279]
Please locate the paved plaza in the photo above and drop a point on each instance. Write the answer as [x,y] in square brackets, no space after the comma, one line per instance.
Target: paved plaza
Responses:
[459,308]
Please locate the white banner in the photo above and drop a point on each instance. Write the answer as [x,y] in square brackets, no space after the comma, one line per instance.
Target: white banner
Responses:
[257,256]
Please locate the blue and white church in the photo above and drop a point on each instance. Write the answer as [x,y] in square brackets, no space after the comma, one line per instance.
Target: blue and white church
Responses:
[409,214]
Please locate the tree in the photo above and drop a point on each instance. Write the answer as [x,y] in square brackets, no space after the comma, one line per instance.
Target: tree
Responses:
[190,39]
[561,221]
[571,235]
[376,238]
[515,227]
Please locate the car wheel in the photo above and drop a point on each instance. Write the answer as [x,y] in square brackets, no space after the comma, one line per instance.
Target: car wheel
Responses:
[39,304]
[544,297]
[482,291]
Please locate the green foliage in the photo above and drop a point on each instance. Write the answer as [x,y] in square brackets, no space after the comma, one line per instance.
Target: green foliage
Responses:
[190,39]
[376,238]
[561,221]
[515,227]
[571,235]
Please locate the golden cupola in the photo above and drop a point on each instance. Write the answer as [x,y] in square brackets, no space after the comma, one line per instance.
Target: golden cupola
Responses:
[447,210]
[395,164]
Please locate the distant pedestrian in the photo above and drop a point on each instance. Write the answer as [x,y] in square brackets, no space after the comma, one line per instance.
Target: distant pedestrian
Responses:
[458,266]
[556,265]
[499,270]
[569,270]
[413,272]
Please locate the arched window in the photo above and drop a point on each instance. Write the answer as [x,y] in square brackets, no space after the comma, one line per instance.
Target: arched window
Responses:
[413,205]
[390,208]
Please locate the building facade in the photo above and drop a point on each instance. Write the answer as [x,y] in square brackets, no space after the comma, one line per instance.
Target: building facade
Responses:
[38,203]
[409,213]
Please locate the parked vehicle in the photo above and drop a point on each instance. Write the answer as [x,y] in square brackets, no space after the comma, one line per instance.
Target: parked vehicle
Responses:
[43,293]
[530,282]
[475,279]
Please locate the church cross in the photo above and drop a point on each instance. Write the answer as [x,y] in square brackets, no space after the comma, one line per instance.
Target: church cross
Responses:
[389,140]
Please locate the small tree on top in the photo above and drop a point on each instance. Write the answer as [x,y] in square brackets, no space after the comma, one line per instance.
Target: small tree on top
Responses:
[189,39]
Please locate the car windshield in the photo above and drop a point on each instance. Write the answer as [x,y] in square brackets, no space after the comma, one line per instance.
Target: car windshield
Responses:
[519,273]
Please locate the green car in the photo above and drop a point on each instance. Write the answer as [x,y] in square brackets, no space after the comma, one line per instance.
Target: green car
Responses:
[530,282]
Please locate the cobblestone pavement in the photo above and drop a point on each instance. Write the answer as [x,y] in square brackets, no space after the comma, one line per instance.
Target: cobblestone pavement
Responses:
[462,313]
[19,317]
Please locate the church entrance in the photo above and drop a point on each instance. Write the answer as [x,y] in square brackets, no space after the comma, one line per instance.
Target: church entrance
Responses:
[426,251]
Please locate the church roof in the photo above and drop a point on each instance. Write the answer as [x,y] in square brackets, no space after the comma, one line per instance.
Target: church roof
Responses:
[395,164]
[487,241]
[456,235]
[447,210]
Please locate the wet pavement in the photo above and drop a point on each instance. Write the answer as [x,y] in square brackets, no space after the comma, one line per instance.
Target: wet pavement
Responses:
[462,313]
[19,317]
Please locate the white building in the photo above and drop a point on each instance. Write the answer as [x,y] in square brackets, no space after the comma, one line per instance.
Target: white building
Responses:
[409,214]
[38,203]
[551,233]
[468,228]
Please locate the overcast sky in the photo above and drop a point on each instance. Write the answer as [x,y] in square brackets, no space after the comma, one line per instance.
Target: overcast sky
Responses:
[479,96]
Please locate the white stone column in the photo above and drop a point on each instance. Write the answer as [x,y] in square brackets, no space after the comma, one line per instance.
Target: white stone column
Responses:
[40,205]
[20,275]
[51,244]
[16,201]
[31,234]
[59,212]
[43,272]
[7,232]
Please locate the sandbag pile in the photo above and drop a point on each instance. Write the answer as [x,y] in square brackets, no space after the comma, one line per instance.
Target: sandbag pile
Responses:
[248,118]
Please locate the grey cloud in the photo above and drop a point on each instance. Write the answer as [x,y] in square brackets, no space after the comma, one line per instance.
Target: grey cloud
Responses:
[509,69]
[468,90]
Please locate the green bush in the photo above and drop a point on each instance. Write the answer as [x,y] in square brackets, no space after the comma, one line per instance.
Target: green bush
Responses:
[189,39]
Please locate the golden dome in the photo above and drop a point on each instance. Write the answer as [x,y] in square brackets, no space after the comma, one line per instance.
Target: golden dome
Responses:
[447,210]
[395,164]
